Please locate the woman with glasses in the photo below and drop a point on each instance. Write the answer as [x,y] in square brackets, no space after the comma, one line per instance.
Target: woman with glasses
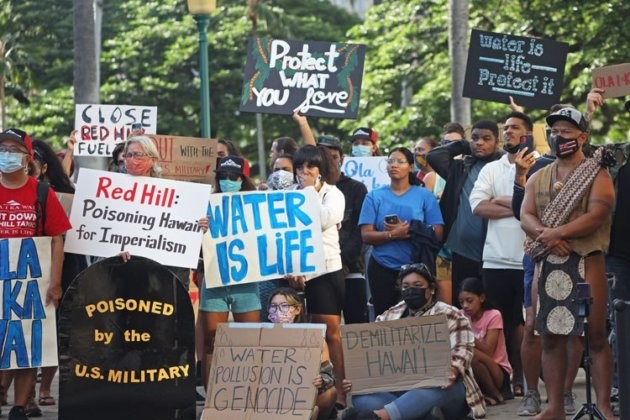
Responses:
[242,299]
[385,220]
[460,396]
[325,294]
[285,307]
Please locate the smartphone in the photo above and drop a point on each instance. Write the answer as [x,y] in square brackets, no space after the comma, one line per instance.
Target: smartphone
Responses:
[527,141]
[391,219]
[136,126]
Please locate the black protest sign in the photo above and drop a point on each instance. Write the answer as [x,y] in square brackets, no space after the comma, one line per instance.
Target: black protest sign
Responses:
[126,344]
[530,70]
[319,79]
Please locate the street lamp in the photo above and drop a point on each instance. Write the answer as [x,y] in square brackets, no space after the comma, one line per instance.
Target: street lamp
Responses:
[201,10]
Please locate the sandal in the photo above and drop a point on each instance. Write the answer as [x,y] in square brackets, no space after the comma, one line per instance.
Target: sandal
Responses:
[46,400]
[518,390]
[492,401]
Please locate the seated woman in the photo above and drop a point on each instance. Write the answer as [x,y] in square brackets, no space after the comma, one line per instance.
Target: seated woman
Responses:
[455,400]
[285,306]
[490,360]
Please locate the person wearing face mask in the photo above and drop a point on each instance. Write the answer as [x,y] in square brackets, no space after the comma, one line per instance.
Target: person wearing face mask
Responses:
[566,214]
[425,174]
[19,201]
[365,142]
[284,306]
[454,401]
[243,300]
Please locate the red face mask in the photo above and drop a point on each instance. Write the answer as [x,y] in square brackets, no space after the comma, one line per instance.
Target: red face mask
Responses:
[139,167]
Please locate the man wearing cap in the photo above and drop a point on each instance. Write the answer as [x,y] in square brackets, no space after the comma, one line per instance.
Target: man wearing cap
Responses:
[355,306]
[365,142]
[566,215]
[18,201]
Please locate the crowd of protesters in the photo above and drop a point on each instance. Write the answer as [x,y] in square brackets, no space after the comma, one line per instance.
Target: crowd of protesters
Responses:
[494,237]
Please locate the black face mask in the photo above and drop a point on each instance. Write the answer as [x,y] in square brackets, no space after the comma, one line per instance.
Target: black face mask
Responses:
[415,297]
[564,147]
[511,149]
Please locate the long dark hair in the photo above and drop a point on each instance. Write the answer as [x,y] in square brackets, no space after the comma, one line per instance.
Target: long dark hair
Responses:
[474,285]
[55,175]
[409,157]
[320,157]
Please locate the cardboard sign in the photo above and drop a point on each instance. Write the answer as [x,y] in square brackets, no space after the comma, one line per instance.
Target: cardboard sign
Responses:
[101,127]
[264,371]
[66,201]
[530,70]
[319,79]
[28,331]
[187,158]
[397,355]
[150,217]
[256,236]
[615,80]
[370,171]
[126,343]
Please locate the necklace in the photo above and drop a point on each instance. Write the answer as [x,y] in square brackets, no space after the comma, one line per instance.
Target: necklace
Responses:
[558,184]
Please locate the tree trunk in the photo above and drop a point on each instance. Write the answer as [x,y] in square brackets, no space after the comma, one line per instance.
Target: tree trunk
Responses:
[458,53]
[86,83]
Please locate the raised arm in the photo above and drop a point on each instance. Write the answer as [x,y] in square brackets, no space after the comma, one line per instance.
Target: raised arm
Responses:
[441,158]
[305,129]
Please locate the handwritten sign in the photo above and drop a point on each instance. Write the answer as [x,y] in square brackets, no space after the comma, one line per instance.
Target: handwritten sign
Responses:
[531,70]
[256,236]
[319,79]
[150,217]
[187,158]
[370,171]
[101,127]
[615,80]
[397,355]
[28,332]
[264,371]
[126,329]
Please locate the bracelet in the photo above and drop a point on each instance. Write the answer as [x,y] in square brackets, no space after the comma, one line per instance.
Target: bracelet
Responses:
[389,236]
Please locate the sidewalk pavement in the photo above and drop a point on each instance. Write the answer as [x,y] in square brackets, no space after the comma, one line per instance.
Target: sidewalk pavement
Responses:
[506,411]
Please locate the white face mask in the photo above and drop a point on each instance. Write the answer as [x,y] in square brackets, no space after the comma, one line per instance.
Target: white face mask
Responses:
[11,162]
[280,180]
[361,151]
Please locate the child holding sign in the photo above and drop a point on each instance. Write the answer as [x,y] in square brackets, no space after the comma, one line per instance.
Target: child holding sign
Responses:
[490,361]
[285,307]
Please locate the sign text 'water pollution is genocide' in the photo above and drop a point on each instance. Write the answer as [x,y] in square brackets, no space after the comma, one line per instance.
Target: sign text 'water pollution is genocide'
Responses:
[319,79]
[530,70]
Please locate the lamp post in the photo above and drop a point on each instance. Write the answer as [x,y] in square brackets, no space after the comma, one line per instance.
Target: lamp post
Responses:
[201,10]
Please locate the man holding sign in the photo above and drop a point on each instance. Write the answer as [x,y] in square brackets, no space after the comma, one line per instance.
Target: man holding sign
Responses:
[22,216]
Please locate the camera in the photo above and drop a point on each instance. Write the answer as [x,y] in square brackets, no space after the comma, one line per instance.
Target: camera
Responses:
[391,219]
[584,299]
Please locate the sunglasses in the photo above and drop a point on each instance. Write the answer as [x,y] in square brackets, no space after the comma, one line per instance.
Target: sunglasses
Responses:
[228,175]
[420,267]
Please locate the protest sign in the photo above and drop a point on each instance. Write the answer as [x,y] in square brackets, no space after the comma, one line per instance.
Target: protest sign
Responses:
[186,158]
[264,371]
[370,171]
[101,127]
[28,331]
[150,217]
[319,79]
[126,344]
[397,355]
[530,70]
[255,236]
[615,80]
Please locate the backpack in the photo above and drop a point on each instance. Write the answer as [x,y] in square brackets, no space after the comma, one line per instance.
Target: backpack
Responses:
[40,207]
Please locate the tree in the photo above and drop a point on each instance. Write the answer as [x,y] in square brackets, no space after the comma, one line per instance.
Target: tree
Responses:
[458,52]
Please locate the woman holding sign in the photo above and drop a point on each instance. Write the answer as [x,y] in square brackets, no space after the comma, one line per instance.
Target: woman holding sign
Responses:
[385,222]
[460,395]
[242,299]
[325,294]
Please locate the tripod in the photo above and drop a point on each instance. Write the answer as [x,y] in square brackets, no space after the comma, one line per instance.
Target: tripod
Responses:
[588,408]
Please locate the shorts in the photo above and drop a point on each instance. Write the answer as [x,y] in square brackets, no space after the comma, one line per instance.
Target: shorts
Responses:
[528,279]
[238,298]
[325,294]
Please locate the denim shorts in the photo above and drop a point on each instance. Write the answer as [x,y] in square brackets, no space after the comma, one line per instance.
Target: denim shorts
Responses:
[238,298]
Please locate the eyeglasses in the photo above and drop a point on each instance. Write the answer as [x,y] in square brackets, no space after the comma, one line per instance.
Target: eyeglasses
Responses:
[228,175]
[11,149]
[283,307]
[135,155]
[391,161]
